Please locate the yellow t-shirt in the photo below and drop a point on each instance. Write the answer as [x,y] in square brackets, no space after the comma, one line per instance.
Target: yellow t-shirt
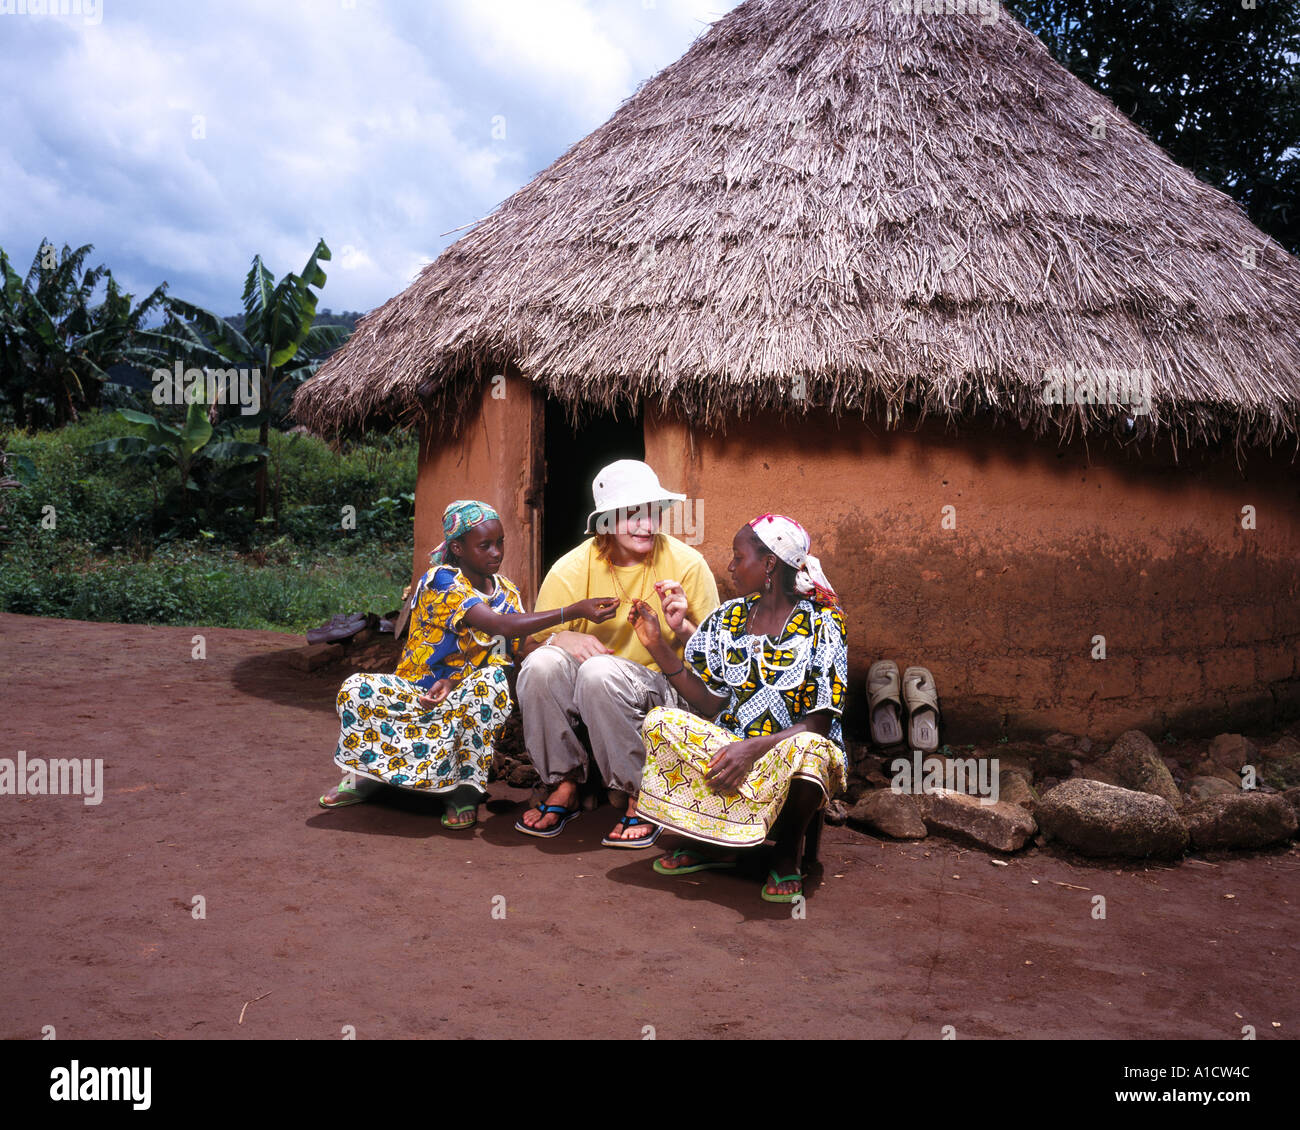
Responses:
[580,574]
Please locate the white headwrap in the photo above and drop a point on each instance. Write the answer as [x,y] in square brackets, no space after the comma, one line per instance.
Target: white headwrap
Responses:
[790,542]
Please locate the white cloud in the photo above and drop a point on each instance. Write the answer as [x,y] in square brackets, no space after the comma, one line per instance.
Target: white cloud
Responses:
[182,139]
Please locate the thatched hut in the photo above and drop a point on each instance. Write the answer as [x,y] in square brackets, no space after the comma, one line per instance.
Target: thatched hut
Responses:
[824,264]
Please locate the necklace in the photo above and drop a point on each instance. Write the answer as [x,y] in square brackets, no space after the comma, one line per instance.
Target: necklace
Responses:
[756,644]
[645,573]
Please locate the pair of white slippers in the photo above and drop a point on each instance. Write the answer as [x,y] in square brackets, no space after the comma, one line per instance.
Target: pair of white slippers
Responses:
[890,699]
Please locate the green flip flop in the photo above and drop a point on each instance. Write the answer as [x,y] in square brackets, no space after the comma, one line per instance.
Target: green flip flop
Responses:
[457,810]
[705,863]
[776,880]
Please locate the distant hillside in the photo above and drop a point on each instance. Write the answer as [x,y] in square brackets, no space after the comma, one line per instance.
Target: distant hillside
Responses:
[325,317]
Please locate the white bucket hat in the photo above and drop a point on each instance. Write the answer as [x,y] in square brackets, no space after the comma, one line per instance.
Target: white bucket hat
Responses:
[625,485]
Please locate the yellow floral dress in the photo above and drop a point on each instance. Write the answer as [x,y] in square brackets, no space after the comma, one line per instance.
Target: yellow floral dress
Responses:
[772,682]
[387,736]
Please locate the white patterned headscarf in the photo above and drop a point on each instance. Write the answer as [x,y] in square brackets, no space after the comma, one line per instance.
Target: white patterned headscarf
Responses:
[790,542]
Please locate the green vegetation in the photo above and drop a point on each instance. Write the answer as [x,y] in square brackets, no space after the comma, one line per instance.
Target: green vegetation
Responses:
[111,549]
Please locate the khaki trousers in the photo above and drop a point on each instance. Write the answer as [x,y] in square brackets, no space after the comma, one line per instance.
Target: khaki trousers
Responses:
[610,695]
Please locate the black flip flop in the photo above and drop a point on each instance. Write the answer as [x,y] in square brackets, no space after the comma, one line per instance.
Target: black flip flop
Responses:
[631,822]
[566,814]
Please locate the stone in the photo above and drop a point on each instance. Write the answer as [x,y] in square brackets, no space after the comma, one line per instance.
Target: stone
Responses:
[1202,788]
[1134,762]
[1207,768]
[1061,741]
[1014,763]
[523,776]
[999,827]
[1097,819]
[1282,748]
[1044,760]
[1085,745]
[1281,772]
[1232,751]
[837,813]
[889,813]
[1014,789]
[1240,820]
[314,656]
[1292,797]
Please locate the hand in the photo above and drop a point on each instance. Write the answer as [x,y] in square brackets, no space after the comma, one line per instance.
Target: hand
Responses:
[672,598]
[435,694]
[645,621]
[731,765]
[597,609]
[581,646]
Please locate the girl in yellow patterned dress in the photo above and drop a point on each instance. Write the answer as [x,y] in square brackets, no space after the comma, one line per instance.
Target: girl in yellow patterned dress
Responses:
[770,668]
[433,725]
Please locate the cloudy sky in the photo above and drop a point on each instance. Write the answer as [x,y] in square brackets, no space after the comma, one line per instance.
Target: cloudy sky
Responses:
[181,137]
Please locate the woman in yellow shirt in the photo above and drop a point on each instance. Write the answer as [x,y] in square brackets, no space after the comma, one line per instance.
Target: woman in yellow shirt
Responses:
[601,674]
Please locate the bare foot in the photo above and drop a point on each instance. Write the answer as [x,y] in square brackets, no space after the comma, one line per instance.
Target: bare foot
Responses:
[690,857]
[784,866]
[565,794]
[467,801]
[636,831]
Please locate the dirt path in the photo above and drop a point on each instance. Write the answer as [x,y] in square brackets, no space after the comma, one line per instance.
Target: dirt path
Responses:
[377,917]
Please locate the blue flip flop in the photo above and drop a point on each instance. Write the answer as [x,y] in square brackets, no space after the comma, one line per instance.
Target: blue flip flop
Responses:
[566,814]
[631,822]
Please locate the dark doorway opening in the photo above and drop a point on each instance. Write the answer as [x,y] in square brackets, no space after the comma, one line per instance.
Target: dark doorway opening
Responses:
[573,456]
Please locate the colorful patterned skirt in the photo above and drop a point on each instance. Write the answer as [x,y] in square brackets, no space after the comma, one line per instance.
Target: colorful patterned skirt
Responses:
[679,747]
[387,736]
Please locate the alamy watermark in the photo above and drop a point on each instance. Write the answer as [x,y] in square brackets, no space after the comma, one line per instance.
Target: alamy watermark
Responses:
[974,776]
[209,386]
[90,11]
[987,10]
[1083,384]
[684,521]
[59,776]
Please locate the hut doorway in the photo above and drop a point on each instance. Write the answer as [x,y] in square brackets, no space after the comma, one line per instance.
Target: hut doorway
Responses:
[573,456]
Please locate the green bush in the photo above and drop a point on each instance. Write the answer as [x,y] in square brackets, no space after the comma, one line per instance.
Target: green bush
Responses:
[106,560]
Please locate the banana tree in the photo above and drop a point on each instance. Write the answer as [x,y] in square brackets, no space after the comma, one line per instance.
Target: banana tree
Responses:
[56,343]
[186,448]
[278,340]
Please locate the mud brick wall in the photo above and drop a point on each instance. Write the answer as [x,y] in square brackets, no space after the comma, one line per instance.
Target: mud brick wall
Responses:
[1052,546]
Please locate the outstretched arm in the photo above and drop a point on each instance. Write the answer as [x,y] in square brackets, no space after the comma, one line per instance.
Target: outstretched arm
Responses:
[513,625]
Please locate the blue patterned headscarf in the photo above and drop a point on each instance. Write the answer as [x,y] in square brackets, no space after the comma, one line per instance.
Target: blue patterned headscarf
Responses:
[458,519]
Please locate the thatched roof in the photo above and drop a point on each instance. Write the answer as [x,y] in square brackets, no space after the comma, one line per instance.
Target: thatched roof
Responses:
[905,214]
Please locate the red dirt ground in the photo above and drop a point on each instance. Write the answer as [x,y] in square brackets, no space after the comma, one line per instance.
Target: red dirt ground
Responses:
[377,917]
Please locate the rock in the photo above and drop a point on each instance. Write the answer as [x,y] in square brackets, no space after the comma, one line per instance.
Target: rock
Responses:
[1292,797]
[1134,763]
[1061,741]
[1085,745]
[1232,751]
[1103,820]
[837,813]
[1242,820]
[1282,772]
[314,656]
[1202,788]
[1014,789]
[1015,763]
[1207,768]
[523,776]
[1097,773]
[1282,748]
[1000,827]
[889,813]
